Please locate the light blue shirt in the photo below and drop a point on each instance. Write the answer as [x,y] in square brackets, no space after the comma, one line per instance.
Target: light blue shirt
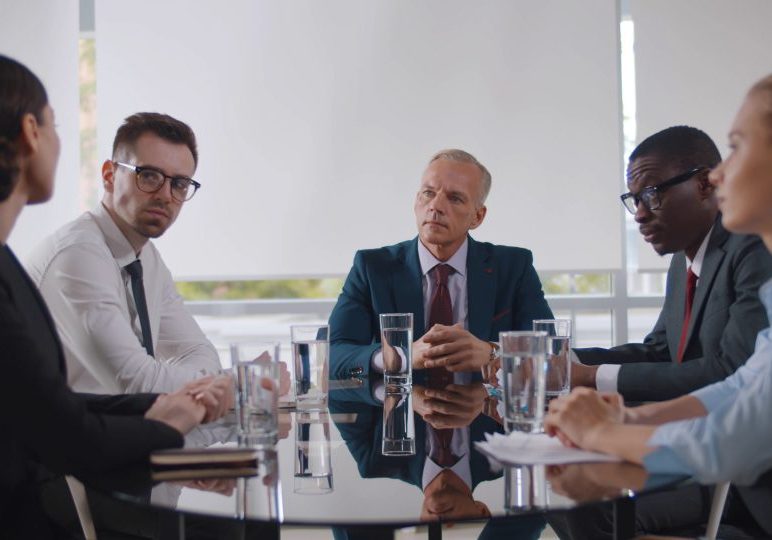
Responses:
[733,442]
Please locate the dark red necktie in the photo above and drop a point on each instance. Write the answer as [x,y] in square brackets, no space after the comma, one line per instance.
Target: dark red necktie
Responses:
[691,287]
[441,312]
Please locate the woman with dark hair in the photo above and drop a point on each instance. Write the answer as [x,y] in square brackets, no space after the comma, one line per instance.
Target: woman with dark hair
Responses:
[722,432]
[47,429]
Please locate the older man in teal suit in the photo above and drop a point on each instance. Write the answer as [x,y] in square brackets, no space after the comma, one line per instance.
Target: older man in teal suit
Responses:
[461,292]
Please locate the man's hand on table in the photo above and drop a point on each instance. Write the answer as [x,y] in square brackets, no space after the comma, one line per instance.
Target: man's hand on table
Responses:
[452,407]
[179,410]
[455,349]
[582,375]
[214,393]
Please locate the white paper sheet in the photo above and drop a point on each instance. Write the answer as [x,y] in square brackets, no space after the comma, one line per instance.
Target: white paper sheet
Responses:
[535,449]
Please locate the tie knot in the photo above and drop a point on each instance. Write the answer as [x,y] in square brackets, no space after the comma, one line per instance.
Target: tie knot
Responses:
[441,273]
[134,269]
[691,278]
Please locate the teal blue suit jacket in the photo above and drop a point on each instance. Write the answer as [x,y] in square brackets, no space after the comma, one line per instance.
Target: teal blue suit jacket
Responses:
[503,293]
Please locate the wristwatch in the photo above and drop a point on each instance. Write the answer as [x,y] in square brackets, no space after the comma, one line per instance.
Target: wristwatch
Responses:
[495,352]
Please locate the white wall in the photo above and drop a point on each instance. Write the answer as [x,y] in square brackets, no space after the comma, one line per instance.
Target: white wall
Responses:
[695,59]
[43,35]
[315,121]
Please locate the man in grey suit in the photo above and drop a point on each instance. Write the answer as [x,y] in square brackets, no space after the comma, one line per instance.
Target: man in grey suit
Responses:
[675,207]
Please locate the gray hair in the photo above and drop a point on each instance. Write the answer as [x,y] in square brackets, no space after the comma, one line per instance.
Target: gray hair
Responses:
[454,154]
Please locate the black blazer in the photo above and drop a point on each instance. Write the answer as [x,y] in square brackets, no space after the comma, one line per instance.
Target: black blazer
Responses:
[726,316]
[48,429]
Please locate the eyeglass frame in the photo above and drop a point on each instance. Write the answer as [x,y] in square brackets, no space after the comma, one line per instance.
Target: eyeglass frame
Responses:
[651,191]
[138,169]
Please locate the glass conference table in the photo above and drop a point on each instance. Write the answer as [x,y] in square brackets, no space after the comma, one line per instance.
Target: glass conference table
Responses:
[327,469]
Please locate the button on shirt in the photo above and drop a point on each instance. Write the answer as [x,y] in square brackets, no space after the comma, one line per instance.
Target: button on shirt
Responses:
[80,272]
[734,441]
[607,374]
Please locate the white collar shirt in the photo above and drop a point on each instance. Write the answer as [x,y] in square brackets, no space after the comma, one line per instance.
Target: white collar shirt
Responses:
[80,273]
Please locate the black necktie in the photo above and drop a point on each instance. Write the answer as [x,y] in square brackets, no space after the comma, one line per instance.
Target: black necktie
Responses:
[138,290]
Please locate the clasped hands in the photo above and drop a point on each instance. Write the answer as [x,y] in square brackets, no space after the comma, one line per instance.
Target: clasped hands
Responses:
[200,401]
[457,405]
[451,347]
[580,418]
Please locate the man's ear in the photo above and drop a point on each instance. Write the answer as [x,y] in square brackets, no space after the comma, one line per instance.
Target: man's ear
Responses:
[704,187]
[108,175]
[479,217]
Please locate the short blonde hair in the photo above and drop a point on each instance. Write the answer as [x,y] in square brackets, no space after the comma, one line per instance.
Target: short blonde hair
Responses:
[763,89]
[454,154]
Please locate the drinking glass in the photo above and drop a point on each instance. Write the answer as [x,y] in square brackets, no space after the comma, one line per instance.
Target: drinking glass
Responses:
[396,347]
[398,423]
[311,357]
[256,367]
[523,357]
[313,464]
[558,382]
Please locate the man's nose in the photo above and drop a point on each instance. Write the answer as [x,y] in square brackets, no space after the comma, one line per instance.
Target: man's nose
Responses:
[642,213]
[165,193]
[438,204]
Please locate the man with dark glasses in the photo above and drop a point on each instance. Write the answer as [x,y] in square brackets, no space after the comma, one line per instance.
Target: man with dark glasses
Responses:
[712,313]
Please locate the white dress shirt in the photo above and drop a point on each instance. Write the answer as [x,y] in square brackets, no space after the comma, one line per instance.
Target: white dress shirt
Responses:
[80,272]
[607,374]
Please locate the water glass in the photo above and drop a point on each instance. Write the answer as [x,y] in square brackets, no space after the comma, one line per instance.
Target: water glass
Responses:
[311,359]
[259,497]
[256,367]
[398,423]
[397,347]
[525,487]
[313,464]
[558,356]
[523,356]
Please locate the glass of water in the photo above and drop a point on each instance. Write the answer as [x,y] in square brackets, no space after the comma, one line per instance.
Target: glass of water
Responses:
[398,423]
[313,463]
[523,356]
[311,361]
[397,347]
[558,355]
[256,367]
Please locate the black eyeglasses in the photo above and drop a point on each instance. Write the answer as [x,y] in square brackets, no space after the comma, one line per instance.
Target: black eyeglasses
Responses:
[650,196]
[150,180]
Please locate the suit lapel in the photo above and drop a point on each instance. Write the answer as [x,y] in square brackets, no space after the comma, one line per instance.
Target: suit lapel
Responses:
[714,255]
[480,290]
[407,287]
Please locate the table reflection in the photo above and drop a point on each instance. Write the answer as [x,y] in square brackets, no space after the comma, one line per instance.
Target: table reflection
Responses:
[329,468]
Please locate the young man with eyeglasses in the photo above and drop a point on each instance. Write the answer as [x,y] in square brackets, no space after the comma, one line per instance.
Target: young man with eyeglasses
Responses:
[123,326]
[712,313]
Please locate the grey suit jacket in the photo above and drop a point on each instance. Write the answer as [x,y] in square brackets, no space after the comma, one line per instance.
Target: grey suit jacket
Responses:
[726,316]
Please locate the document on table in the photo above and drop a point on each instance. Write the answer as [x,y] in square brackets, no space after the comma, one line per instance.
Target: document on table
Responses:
[535,449]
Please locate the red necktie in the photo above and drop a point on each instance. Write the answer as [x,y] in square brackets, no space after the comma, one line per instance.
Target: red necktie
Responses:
[441,312]
[691,286]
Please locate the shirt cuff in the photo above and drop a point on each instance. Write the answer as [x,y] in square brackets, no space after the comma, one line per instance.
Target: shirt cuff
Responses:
[606,377]
[376,360]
